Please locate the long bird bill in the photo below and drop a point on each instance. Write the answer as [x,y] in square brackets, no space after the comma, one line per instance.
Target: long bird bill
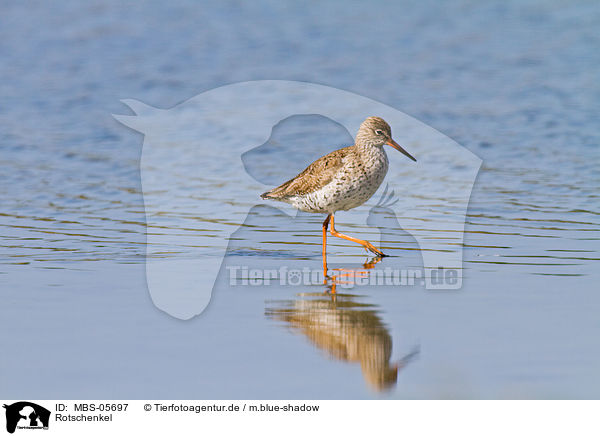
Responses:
[394,144]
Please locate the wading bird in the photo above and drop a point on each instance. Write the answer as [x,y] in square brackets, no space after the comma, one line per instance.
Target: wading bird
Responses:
[342,179]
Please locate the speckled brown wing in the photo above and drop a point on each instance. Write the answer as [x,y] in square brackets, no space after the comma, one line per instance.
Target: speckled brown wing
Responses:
[314,177]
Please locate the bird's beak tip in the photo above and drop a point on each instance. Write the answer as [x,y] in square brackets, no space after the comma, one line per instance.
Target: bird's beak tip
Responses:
[395,145]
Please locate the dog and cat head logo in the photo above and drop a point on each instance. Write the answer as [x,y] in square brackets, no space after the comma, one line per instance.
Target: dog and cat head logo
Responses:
[26,415]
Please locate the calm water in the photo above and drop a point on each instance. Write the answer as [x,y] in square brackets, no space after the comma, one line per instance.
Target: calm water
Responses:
[516,83]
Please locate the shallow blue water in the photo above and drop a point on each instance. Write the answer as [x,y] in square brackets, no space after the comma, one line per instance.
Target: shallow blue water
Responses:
[514,82]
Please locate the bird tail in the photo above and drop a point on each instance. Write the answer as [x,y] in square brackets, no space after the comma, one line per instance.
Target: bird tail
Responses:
[274,194]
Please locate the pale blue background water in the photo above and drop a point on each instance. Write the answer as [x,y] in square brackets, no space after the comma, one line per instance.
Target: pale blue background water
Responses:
[514,82]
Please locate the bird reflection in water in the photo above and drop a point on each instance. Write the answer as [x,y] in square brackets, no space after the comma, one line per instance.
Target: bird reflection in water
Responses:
[345,328]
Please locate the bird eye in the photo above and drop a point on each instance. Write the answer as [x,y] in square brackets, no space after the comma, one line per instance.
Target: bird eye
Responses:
[378,132]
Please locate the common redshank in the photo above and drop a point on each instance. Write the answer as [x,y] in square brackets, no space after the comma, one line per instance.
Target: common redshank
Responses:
[342,179]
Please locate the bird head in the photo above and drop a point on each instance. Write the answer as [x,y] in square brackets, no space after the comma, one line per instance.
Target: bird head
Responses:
[375,132]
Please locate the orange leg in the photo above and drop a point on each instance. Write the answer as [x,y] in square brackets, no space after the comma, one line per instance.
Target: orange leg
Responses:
[366,245]
[325,225]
